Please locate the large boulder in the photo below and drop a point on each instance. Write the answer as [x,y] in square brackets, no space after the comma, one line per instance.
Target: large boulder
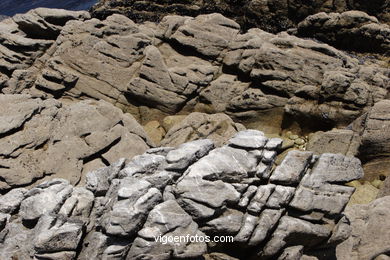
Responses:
[49,137]
[170,202]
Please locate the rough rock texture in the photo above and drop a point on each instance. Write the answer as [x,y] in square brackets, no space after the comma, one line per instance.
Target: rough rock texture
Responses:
[200,64]
[49,137]
[352,30]
[217,127]
[367,137]
[344,141]
[370,231]
[376,134]
[194,189]
[26,37]
[3,17]
[271,15]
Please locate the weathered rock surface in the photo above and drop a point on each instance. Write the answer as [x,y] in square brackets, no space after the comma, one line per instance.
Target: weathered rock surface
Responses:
[49,137]
[344,141]
[196,190]
[272,15]
[370,231]
[385,189]
[367,137]
[352,30]
[203,64]
[217,127]
[26,37]
[375,136]
[3,17]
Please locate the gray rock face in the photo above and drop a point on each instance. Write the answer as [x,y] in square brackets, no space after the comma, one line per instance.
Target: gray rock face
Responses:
[202,64]
[376,138]
[10,202]
[217,127]
[352,30]
[134,210]
[367,137]
[46,137]
[45,199]
[167,219]
[33,33]
[370,231]
[342,141]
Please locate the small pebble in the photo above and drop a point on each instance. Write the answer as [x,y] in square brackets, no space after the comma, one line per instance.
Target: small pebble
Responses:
[299,141]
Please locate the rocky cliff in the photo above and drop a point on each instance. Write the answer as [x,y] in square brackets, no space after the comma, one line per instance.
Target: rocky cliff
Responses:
[116,131]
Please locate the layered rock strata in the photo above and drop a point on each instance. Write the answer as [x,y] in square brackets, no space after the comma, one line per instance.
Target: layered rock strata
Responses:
[26,37]
[41,138]
[203,64]
[194,189]
[351,30]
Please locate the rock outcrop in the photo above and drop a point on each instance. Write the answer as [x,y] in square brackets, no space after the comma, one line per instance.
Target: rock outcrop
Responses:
[195,190]
[39,138]
[26,37]
[202,64]
[352,30]
[367,138]
[270,15]
[85,101]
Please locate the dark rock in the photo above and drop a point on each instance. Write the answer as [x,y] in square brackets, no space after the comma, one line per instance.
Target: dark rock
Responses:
[352,30]
[274,15]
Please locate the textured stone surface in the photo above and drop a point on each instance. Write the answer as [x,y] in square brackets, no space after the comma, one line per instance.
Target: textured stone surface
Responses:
[217,127]
[26,37]
[376,137]
[48,137]
[370,231]
[195,190]
[342,141]
[272,15]
[204,64]
[351,30]
[385,189]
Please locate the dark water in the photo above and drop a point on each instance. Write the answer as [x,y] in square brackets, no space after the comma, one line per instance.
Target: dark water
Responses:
[11,7]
